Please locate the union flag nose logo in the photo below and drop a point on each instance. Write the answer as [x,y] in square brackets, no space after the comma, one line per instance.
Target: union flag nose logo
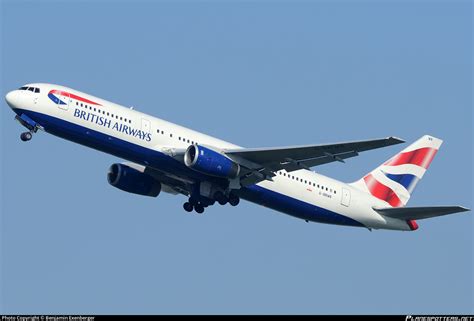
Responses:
[54,98]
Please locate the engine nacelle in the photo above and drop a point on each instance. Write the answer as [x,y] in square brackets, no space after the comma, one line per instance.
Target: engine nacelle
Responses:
[130,180]
[210,162]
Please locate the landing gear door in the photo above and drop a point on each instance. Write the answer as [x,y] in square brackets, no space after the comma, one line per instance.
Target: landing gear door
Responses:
[346,197]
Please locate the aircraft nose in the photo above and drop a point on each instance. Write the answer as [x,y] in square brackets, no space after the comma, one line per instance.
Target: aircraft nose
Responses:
[11,98]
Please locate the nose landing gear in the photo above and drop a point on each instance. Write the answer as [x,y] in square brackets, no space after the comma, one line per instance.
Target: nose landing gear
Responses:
[30,124]
[26,136]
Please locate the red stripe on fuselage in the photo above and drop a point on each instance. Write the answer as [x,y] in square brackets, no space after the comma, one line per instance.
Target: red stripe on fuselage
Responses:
[382,191]
[66,94]
[420,157]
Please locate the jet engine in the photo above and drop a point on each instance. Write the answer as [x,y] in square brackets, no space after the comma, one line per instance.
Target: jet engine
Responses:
[130,180]
[210,162]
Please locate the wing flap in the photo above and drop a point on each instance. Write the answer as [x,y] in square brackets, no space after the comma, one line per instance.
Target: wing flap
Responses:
[419,213]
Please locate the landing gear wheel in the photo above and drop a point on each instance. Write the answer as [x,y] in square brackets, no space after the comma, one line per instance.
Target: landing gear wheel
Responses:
[26,136]
[188,207]
[220,198]
[199,208]
[234,200]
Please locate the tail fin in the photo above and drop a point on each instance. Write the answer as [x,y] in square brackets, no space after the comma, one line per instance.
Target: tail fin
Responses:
[395,180]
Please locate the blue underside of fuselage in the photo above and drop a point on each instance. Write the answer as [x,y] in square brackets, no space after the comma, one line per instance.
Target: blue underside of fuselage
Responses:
[155,159]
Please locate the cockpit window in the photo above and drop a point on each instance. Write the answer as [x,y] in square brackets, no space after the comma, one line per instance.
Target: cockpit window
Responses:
[32,89]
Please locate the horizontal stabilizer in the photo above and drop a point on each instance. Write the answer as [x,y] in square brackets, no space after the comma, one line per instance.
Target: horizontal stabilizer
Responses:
[419,213]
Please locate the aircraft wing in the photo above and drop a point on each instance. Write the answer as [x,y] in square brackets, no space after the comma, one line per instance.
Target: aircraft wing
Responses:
[419,213]
[262,162]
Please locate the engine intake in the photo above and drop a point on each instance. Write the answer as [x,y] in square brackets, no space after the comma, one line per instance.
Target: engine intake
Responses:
[130,180]
[210,162]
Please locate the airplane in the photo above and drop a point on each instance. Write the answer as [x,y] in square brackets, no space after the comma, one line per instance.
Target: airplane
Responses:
[164,157]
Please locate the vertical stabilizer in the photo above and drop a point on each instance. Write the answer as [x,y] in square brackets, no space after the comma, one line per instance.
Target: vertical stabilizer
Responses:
[395,180]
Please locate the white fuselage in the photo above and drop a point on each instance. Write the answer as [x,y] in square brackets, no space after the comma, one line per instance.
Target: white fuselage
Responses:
[85,116]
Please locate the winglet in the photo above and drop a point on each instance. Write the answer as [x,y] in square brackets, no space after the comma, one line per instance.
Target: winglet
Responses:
[395,140]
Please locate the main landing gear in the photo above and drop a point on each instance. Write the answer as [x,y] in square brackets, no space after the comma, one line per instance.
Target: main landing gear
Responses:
[233,199]
[197,206]
[200,204]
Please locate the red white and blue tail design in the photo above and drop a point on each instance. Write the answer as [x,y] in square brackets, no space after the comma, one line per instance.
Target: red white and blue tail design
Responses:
[395,180]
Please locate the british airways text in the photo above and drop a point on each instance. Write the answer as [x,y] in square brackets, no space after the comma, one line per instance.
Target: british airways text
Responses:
[103,121]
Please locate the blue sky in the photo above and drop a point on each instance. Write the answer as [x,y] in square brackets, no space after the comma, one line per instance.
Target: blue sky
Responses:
[257,74]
